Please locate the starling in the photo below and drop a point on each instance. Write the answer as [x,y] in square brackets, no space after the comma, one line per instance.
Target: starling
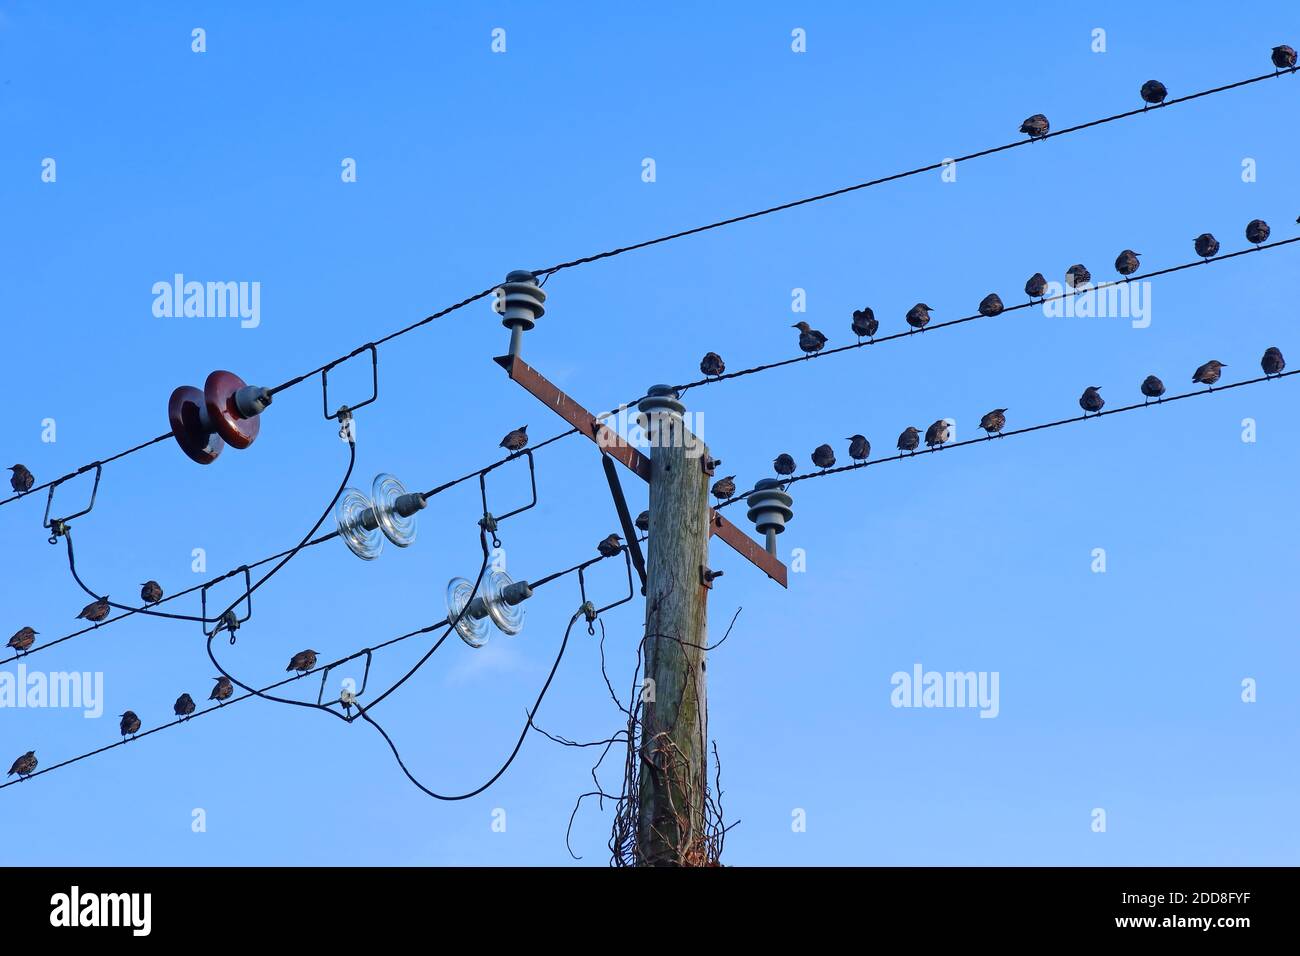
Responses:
[1207,247]
[24,765]
[516,439]
[223,689]
[25,637]
[1272,363]
[1153,92]
[864,323]
[918,316]
[1257,231]
[724,488]
[1209,373]
[1077,275]
[810,340]
[1036,287]
[1036,126]
[994,421]
[1284,58]
[910,438]
[712,365]
[859,448]
[96,611]
[184,706]
[936,434]
[643,521]
[784,464]
[302,662]
[130,724]
[991,305]
[1152,387]
[151,592]
[21,480]
[1091,400]
[610,546]
[823,457]
[1126,263]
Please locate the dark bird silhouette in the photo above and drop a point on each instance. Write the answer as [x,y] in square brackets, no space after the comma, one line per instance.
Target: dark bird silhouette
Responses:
[712,365]
[130,724]
[936,434]
[823,457]
[1257,231]
[1077,275]
[1207,247]
[918,316]
[184,706]
[859,448]
[21,480]
[1272,363]
[151,592]
[25,637]
[223,690]
[24,765]
[784,464]
[302,662]
[1152,387]
[994,421]
[991,305]
[1091,400]
[643,521]
[864,323]
[724,488]
[1126,263]
[1209,373]
[609,546]
[1284,58]
[910,438]
[1153,92]
[810,340]
[516,439]
[1036,287]
[96,611]
[1036,126]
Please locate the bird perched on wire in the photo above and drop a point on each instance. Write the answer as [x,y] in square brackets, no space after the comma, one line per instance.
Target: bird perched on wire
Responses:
[784,464]
[909,439]
[1272,363]
[918,316]
[516,439]
[1091,400]
[1077,275]
[1284,58]
[810,340]
[937,434]
[823,457]
[223,690]
[1126,263]
[1153,93]
[25,637]
[724,488]
[1207,247]
[130,724]
[994,421]
[711,366]
[1036,286]
[643,521]
[184,706]
[96,611]
[991,305]
[21,480]
[1152,387]
[864,323]
[1209,373]
[609,546]
[302,662]
[1257,231]
[151,592]
[859,448]
[1036,126]
[24,765]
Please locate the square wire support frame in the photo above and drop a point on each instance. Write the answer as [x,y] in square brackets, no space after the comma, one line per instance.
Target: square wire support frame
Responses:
[232,624]
[582,586]
[374,382]
[490,521]
[365,678]
[59,525]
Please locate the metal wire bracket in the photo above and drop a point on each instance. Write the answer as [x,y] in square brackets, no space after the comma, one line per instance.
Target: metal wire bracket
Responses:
[59,526]
[374,387]
[229,621]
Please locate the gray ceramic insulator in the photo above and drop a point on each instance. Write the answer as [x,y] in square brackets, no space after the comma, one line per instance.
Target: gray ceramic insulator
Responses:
[770,508]
[409,504]
[517,593]
[521,303]
[252,400]
[660,403]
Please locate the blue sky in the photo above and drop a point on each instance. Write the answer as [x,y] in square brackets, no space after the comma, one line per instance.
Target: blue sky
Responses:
[1118,690]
